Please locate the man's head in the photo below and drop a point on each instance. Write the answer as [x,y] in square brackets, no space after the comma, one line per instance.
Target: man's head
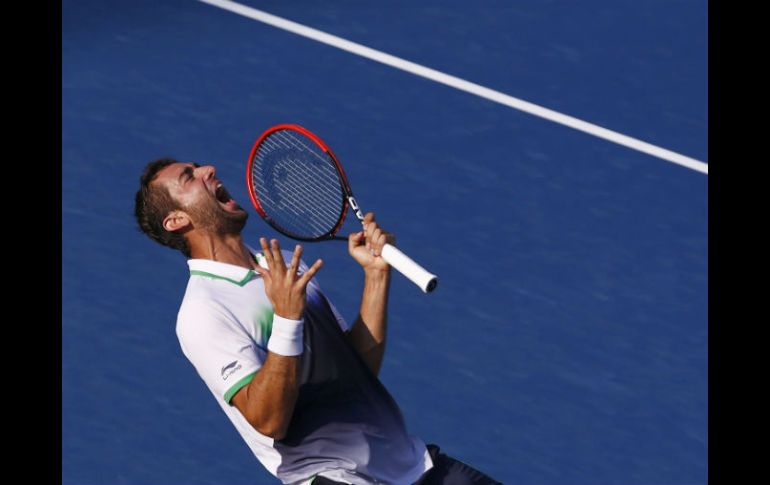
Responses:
[178,200]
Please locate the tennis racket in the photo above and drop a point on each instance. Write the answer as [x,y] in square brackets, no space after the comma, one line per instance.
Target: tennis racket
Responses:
[298,186]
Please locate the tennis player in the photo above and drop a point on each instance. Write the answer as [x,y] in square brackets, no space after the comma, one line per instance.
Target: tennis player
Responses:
[297,381]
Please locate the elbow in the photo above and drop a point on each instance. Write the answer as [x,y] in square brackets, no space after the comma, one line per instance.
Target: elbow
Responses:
[276,431]
[273,424]
[276,434]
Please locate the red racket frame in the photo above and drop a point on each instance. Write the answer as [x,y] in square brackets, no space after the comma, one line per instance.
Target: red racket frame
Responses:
[340,174]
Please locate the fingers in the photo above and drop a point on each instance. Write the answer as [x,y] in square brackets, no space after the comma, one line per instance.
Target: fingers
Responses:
[308,275]
[262,272]
[286,290]
[274,257]
[376,238]
[266,252]
[354,240]
[275,261]
[379,239]
[295,259]
[275,249]
[369,227]
[371,238]
[368,219]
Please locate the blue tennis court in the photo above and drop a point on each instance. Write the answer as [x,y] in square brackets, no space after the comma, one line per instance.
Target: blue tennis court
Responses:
[567,340]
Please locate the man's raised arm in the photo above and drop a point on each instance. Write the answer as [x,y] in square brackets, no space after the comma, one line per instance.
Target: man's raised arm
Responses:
[369,331]
[267,402]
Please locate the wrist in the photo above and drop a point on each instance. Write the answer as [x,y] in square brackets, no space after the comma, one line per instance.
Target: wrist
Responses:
[377,273]
[286,337]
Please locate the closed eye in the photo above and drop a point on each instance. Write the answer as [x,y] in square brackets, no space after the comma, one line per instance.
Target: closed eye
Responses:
[186,174]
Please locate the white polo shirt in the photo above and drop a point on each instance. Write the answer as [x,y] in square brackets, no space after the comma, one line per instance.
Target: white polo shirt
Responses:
[223,326]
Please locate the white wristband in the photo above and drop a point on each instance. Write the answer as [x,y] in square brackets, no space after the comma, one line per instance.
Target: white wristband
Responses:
[286,337]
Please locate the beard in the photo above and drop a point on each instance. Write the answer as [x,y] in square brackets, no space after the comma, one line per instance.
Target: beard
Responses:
[212,217]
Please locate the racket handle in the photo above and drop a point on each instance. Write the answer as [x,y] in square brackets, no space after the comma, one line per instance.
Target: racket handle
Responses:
[407,267]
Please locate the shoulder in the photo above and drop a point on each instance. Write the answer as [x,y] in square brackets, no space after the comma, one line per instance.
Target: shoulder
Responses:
[197,314]
[191,307]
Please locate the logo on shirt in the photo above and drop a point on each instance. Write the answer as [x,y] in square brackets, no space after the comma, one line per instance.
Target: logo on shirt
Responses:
[230,369]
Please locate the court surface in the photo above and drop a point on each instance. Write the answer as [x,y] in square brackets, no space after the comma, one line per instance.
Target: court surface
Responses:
[567,341]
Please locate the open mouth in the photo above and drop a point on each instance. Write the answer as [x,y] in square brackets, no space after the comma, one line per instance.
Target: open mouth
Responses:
[222,195]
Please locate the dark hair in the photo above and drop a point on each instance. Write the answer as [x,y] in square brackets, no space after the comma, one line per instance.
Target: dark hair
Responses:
[153,204]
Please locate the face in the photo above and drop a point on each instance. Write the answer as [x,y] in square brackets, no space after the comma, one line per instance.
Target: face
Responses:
[202,197]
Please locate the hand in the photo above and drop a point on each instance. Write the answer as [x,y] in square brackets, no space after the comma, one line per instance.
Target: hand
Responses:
[285,289]
[366,246]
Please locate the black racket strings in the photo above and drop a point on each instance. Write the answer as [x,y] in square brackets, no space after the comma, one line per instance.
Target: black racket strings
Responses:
[297,185]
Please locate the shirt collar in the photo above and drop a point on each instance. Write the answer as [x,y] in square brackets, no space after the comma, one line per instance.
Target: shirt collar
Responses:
[229,272]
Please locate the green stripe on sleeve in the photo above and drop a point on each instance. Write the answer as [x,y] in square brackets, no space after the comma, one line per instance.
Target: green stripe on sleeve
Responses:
[237,386]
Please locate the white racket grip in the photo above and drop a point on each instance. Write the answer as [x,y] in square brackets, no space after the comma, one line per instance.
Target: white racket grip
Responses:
[407,267]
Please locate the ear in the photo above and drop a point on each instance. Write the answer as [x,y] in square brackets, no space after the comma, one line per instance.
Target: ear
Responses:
[176,220]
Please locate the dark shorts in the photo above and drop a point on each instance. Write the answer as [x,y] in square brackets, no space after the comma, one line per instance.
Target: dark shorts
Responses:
[446,471]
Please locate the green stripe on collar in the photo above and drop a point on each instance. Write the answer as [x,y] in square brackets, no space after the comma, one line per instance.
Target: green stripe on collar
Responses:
[245,280]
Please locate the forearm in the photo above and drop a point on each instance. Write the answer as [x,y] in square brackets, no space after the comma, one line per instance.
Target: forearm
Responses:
[271,395]
[369,331]
[268,401]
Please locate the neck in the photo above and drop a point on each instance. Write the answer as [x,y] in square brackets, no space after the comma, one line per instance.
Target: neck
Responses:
[224,248]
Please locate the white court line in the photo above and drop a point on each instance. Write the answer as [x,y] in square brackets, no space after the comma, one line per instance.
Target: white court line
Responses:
[460,84]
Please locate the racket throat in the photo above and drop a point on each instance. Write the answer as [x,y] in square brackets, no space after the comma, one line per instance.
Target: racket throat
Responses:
[354,205]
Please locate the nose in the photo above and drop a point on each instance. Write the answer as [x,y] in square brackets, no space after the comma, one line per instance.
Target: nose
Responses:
[207,171]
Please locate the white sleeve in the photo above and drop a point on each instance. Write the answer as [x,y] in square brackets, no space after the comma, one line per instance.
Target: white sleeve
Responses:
[223,353]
